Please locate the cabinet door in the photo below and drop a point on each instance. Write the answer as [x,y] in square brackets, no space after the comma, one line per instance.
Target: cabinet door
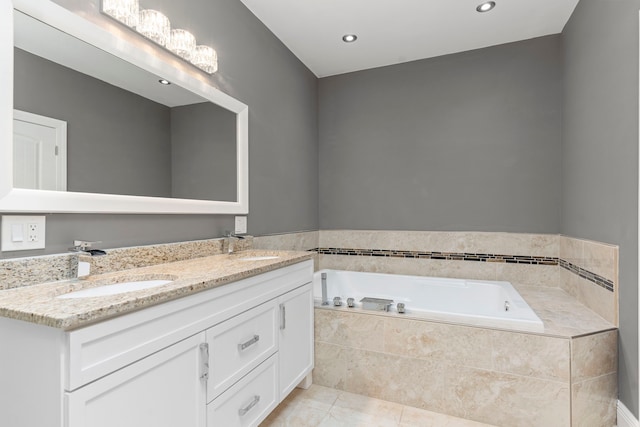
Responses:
[295,338]
[164,389]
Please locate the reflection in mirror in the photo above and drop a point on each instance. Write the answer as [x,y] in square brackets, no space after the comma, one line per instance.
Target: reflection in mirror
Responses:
[145,139]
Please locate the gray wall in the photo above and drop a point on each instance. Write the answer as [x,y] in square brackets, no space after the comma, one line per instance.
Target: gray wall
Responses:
[281,93]
[469,141]
[203,150]
[117,142]
[600,152]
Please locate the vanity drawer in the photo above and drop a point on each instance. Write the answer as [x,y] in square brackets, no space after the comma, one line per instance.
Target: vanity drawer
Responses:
[240,344]
[249,401]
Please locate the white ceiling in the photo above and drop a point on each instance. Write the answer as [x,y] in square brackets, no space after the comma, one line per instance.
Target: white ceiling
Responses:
[395,31]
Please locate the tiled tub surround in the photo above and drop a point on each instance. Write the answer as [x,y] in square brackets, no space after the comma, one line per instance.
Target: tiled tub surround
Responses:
[587,270]
[493,376]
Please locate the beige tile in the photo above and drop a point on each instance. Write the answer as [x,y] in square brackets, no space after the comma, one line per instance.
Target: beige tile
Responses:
[547,245]
[408,381]
[594,355]
[572,250]
[436,341]
[357,330]
[562,314]
[295,414]
[330,365]
[600,300]
[340,417]
[531,275]
[414,417]
[506,399]
[301,241]
[601,259]
[378,409]
[531,355]
[594,402]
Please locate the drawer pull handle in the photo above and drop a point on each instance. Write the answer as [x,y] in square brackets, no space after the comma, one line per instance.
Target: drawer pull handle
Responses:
[254,402]
[252,341]
[283,317]
[204,361]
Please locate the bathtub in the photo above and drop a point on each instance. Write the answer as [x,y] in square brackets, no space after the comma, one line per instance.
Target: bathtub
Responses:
[471,302]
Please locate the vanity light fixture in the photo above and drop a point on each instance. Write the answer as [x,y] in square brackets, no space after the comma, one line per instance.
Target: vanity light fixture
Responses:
[125,11]
[182,43]
[486,6]
[156,27]
[349,38]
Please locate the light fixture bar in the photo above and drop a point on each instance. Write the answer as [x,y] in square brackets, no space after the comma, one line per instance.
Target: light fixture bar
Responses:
[156,27]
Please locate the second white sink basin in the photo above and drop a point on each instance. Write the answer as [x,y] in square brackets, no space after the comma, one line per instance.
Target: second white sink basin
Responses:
[115,289]
[259,258]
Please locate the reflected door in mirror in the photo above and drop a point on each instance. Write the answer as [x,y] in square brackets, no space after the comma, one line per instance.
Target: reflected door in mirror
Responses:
[39,147]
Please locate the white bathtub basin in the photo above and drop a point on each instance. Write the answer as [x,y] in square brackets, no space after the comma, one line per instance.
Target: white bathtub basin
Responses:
[115,289]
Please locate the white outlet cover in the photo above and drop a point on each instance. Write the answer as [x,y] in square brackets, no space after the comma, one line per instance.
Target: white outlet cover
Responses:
[12,223]
[241,225]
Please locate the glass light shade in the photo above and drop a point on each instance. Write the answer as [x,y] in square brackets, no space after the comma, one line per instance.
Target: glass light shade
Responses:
[205,58]
[155,26]
[125,11]
[182,43]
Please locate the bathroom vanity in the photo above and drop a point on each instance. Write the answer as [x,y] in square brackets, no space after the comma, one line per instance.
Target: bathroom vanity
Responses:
[205,350]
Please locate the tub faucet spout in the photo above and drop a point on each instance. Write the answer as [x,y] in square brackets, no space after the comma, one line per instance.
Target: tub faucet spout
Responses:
[325,299]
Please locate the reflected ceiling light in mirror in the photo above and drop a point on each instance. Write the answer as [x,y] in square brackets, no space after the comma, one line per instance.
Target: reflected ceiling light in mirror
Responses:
[125,11]
[182,43]
[349,38]
[205,58]
[154,26]
[486,6]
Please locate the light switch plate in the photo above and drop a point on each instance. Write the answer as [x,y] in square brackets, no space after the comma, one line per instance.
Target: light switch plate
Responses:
[23,233]
[241,225]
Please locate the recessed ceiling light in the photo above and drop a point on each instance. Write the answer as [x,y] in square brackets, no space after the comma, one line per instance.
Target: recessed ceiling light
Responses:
[486,6]
[164,82]
[349,38]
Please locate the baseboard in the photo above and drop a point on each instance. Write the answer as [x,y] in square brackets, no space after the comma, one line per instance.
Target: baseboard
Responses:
[625,417]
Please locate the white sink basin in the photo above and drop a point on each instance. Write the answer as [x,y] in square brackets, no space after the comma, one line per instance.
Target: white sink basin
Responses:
[115,289]
[259,258]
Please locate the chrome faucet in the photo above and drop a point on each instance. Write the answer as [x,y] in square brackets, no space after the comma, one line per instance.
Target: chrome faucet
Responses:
[231,238]
[84,246]
[84,262]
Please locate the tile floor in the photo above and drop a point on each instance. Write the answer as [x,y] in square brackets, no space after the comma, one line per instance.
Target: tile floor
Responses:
[327,407]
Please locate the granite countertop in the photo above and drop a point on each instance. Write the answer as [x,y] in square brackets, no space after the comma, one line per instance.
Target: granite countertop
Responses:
[38,303]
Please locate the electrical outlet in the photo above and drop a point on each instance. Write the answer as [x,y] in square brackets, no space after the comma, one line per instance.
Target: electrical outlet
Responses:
[23,233]
[241,225]
[32,232]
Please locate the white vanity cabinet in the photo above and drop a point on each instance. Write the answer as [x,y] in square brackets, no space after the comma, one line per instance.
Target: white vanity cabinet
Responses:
[295,338]
[164,389]
[222,357]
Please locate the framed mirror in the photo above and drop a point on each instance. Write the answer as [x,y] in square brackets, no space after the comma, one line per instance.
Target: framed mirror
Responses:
[132,144]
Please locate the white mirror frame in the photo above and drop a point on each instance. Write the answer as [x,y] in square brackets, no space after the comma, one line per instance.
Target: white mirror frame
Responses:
[24,200]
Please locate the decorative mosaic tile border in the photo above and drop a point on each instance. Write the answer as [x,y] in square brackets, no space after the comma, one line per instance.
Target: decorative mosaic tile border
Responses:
[588,275]
[465,256]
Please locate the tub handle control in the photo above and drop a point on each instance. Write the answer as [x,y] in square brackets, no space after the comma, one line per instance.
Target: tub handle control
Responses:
[350,302]
[337,301]
[506,306]
[400,307]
